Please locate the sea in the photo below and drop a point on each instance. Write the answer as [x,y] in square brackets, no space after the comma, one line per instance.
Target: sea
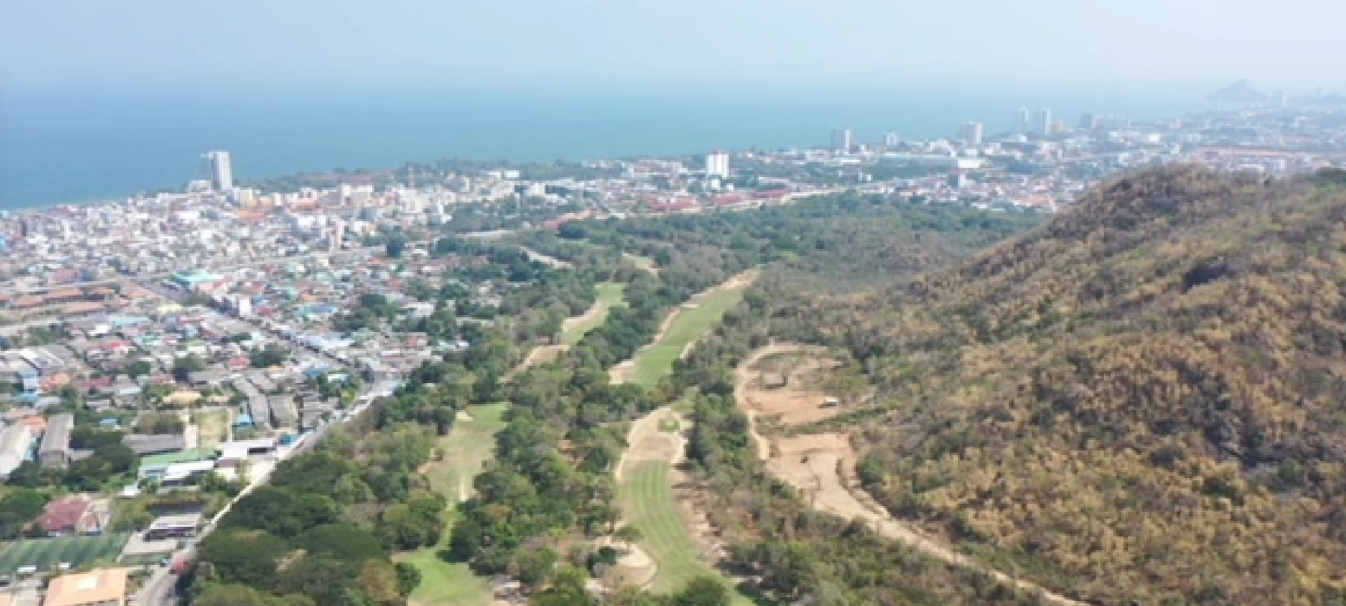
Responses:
[72,146]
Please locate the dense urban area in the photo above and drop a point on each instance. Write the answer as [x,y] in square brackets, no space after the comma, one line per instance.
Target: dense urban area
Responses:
[750,377]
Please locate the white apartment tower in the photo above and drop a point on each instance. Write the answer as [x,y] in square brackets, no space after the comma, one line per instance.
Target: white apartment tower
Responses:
[972,133]
[1044,121]
[842,139]
[221,171]
[717,164]
[891,139]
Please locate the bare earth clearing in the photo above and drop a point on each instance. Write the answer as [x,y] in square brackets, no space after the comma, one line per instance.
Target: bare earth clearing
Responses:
[822,466]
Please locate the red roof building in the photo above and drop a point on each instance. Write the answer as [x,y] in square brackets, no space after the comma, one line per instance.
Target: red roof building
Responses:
[70,515]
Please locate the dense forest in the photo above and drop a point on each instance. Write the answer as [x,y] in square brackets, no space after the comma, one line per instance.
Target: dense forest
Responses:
[1139,401]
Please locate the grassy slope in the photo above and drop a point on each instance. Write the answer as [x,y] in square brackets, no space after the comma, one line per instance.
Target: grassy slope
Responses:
[641,262]
[465,449]
[609,295]
[656,362]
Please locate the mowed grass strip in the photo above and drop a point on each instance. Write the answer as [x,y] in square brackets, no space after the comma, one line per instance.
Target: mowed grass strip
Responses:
[610,294]
[465,450]
[656,362]
[45,554]
[640,261]
[647,499]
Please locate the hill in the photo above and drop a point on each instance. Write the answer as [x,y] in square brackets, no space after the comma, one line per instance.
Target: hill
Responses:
[1140,400]
[1238,93]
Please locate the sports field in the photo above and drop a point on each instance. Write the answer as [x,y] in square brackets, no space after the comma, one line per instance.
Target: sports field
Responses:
[692,320]
[467,447]
[75,551]
[609,296]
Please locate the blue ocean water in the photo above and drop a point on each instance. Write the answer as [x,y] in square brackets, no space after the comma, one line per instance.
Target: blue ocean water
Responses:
[72,146]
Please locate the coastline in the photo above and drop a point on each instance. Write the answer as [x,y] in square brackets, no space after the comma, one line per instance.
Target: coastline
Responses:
[74,153]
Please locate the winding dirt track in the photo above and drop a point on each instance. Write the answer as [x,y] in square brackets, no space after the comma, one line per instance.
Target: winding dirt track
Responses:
[823,467]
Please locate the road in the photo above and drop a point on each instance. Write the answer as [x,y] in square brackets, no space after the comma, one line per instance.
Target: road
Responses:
[161,588]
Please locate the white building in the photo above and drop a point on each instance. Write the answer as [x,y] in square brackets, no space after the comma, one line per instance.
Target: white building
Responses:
[1044,121]
[972,133]
[1023,122]
[221,171]
[717,164]
[842,139]
[890,139]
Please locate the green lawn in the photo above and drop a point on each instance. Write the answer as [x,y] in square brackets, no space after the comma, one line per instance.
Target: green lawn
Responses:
[76,551]
[467,447]
[641,262]
[647,499]
[656,362]
[609,295]
[182,456]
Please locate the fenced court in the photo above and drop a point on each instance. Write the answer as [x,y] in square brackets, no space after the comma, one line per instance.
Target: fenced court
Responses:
[46,554]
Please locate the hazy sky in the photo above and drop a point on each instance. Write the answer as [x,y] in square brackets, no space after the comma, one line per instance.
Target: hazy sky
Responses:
[230,43]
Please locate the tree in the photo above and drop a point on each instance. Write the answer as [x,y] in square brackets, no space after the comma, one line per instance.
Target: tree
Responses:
[535,567]
[568,589]
[408,578]
[163,423]
[395,245]
[703,591]
[17,509]
[271,355]
[341,541]
[243,556]
[187,364]
[230,595]
[379,582]
[628,534]
[138,368]
[28,474]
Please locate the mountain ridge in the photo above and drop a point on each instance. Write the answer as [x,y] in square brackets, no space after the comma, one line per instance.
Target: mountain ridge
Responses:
[1136,401]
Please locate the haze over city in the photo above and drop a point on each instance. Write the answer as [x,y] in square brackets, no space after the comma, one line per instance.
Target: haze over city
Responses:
[526,43]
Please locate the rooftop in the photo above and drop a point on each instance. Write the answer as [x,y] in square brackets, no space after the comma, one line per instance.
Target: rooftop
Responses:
[99,586]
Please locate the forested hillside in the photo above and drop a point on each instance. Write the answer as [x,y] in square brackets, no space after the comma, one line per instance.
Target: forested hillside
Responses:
[1141,400]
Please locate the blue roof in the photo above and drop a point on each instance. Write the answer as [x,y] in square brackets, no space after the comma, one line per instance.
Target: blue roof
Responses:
[244,419]
[109,422]
[315,372]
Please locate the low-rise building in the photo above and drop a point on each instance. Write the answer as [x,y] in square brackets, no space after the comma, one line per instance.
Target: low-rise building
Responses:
[99,587]
[15,442]
[55,449]
[70,516]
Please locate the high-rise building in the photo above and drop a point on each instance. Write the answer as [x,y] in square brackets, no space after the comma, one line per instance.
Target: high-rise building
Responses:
[1090,122]
[1023,121]
[971,133]
[1044,121]
[717,164]
[221,171]
[842,139]
[890,139]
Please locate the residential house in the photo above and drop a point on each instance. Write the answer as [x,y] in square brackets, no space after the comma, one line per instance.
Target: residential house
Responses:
[55,449]
[71,515]
[143,444]
[98,587]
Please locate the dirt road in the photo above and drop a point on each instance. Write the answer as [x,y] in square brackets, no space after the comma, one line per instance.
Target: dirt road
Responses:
[822,466]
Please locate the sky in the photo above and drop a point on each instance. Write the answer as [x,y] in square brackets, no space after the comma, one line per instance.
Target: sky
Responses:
[517,44]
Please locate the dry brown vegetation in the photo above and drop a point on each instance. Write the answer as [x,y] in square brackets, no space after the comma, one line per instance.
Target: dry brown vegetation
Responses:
[1141,400]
